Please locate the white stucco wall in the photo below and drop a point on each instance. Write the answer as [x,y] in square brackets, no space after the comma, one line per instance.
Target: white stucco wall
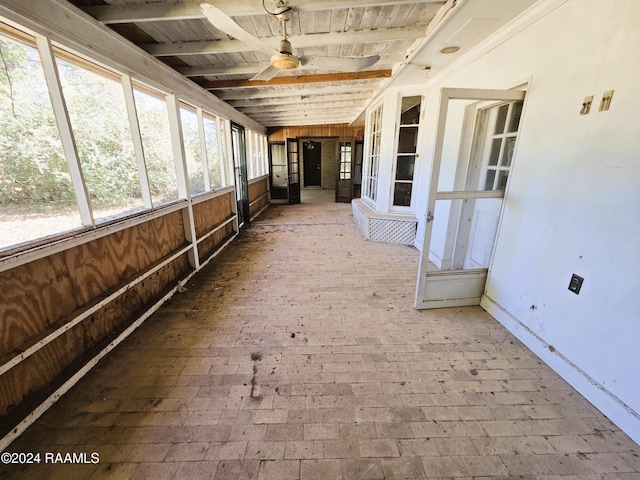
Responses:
[573,202]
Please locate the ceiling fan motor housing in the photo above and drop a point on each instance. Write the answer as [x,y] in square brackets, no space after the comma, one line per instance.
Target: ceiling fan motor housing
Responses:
[285,60]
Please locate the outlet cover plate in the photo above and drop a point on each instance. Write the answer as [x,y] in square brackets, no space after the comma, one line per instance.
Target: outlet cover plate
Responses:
[576,283]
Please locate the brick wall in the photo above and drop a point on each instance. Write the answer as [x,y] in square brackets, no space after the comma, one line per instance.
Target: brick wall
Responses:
[328,159]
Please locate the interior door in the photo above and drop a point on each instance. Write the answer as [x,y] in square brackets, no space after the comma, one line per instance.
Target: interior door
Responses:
[497,129]
[293,163]
[240,168]
[312,163]
[344,182]
[463,218]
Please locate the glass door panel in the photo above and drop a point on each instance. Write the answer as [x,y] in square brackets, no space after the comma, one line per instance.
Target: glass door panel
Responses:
[466,196]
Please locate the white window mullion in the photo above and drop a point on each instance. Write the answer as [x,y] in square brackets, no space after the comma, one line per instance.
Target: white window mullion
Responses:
[175,127]
[64,126]
[228,148]
[265,155]
[221,156]
[136,136]
[177,142]
[203,150]
[248,152]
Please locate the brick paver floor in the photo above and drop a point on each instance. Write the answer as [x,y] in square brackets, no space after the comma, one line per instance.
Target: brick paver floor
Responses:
[297,355]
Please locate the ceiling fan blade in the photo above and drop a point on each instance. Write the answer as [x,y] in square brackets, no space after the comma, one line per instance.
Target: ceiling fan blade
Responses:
[266,74]
[342,64]
[224,22]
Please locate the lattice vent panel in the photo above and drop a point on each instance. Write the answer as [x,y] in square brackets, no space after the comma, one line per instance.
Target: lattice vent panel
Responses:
[392,231]
[362,220]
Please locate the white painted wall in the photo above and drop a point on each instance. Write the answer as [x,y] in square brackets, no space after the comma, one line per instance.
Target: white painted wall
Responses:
[573,202]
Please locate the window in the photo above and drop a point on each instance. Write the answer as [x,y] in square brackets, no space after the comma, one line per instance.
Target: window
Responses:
[213,152]
[97,111]
[370,184]
[406,151]
[252,157]
[345,160]
[37,197]
[501,142]
[256,154]
[156,141]
[192,149]
[68,158]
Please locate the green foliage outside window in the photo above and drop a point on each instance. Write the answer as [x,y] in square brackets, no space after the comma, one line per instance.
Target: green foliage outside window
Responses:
[33,170]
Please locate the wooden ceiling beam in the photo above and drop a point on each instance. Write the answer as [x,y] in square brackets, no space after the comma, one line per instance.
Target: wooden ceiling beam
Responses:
[249,68]
[297,99]
[315,118]
[303,111]
[305,79]
[189,10]
[298,41]
[365,86]
[306,121]
[306,107]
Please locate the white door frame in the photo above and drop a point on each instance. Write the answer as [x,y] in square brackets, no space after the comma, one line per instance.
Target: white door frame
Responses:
[438,283]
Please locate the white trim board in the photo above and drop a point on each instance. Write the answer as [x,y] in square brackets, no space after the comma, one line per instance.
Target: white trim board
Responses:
[615,409]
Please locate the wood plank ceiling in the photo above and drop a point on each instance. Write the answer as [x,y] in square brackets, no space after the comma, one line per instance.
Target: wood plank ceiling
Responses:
[178,34]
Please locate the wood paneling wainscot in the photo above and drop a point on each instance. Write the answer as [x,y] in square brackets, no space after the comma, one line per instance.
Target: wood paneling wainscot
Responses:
[209,215]
[342,130]
[258,195]
[40,296]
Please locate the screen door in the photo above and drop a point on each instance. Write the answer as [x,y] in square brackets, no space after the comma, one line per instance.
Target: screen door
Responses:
[465,201]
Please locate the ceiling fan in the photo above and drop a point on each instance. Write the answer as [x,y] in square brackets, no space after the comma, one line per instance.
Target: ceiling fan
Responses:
[282,58]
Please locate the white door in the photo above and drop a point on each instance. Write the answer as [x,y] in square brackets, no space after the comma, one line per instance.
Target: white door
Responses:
[462,222]
[491,164]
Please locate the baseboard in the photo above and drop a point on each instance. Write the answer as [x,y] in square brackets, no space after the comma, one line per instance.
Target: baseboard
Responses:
[627,419]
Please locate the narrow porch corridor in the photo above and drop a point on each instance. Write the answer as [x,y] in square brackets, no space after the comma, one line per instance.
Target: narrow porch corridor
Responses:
[297,354]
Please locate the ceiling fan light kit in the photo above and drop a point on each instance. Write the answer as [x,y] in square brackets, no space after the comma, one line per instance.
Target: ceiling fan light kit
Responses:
[285,61]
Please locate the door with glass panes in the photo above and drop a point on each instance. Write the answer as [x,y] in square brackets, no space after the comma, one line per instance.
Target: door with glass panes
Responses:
[490,167]
[293,164]
[344,182]
[465,200]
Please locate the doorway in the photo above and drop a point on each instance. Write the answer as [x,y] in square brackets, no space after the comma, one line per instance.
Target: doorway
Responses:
[240,168]
[465,206]
[312,158]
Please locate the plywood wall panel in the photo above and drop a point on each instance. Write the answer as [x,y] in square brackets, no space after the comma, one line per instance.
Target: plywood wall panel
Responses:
[119,313]
[209,215]
[257,191]
[39,293]
[33,296]
[45,291]
[209,245]
[37,371]
[212,213]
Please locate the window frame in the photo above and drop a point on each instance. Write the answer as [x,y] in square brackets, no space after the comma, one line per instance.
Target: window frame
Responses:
[397,154]
[48,50]
[371,160]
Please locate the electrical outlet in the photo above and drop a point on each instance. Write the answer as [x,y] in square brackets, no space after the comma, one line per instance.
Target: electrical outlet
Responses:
[575,284]
[605,103]
[586,105]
